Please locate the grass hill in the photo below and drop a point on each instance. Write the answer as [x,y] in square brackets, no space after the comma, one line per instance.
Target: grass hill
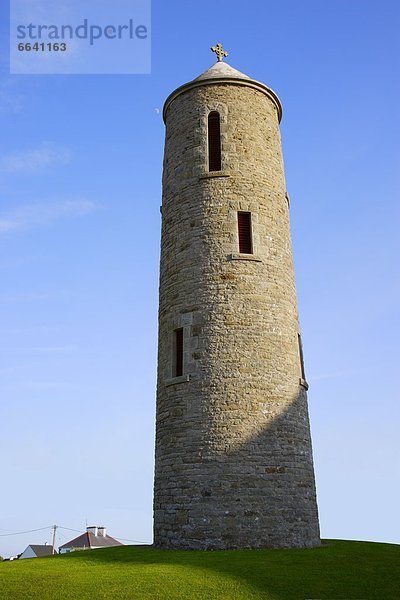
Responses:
[339,570]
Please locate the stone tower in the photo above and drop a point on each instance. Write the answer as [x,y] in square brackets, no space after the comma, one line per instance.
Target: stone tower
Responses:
[234,465]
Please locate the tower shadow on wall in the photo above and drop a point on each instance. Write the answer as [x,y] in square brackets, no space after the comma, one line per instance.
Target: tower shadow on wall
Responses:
[260,494]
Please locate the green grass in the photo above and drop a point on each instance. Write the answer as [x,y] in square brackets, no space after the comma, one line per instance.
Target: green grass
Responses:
[338,570]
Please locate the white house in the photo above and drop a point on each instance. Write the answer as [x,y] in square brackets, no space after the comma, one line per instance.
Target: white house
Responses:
[37,551]
[94,537]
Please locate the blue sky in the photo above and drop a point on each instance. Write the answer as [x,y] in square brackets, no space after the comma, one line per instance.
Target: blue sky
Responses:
[80,189]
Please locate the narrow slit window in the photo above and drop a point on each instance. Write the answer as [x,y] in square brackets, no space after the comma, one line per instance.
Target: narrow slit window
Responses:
[178,353]
[244,230]
[214,141]
[303,373]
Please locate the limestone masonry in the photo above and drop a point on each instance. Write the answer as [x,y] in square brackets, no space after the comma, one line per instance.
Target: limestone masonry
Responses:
[234,465]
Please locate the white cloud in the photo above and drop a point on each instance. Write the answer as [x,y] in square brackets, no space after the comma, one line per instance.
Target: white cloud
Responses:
[36,160]
[38,214]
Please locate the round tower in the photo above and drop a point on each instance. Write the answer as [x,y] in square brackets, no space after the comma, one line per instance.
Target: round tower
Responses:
[234,465]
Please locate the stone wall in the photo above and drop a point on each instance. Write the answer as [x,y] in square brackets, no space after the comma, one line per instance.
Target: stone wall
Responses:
[233,450]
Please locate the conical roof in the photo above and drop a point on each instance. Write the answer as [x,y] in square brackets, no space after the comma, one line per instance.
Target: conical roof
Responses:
[221,69]
[222,72]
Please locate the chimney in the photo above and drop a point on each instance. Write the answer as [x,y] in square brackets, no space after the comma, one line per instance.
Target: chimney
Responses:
[102,531]
[92,529]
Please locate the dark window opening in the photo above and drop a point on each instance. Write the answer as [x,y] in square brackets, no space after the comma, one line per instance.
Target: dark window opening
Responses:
[303,373]
[214,142]
[244,230]
[178,353]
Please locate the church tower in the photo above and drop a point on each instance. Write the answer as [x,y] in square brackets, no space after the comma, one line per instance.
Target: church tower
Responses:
[234,465]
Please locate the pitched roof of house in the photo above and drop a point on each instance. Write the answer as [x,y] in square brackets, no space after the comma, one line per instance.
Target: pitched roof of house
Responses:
[41,549]
[89,540]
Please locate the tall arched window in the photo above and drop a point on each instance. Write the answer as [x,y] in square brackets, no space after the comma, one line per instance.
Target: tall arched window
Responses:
[244,231]
[214,141]
[177,362]
[303,373]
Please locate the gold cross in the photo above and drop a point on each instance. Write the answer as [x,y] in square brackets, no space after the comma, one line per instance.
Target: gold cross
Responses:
[219,51]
